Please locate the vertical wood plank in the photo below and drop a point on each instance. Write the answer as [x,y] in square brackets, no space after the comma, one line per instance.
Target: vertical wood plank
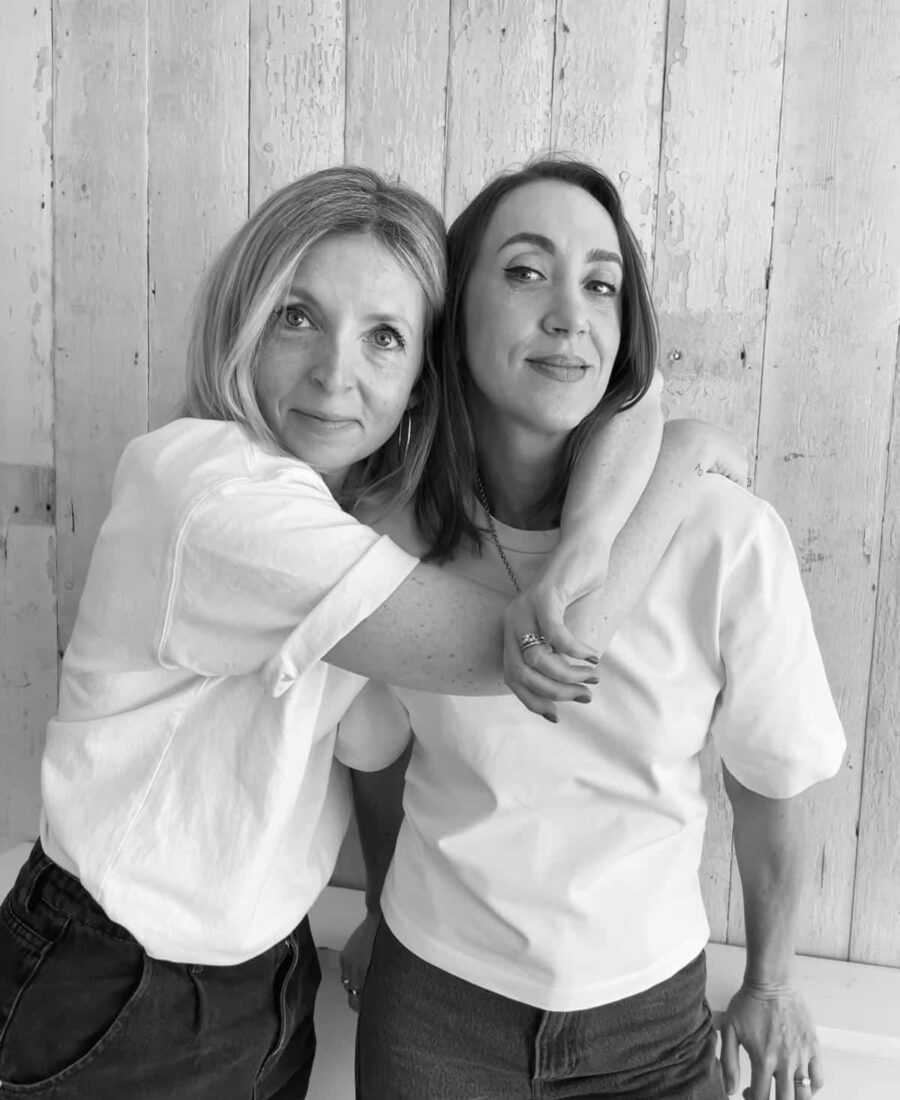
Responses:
[607,97]
[713,239]
[499,91]
[100,266]
[396,73]
[829,362]
[27,544]
[875,934]
[297,82]
[198,149]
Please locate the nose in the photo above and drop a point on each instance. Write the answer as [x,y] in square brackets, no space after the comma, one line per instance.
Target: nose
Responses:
[566,313]
[334,369]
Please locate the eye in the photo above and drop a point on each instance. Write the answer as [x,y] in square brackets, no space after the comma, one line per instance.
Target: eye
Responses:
[293,317]
[387,338]
[602,287]
[521,273]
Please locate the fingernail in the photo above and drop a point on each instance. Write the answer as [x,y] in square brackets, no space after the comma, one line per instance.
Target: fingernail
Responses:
[593,660]
[591,680]
[551,717]
[582,698]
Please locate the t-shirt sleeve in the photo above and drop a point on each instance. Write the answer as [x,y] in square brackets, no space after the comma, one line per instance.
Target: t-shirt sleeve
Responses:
[775,724]
[270,574]
[374,731]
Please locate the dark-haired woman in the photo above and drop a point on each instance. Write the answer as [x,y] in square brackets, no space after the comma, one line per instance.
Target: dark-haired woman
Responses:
[543,930]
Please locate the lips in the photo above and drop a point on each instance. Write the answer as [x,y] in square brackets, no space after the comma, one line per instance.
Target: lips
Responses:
[566,361]
[327,420]
[559,368]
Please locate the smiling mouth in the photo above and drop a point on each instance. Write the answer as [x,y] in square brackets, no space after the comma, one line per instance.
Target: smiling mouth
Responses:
[560,368]
[325,420]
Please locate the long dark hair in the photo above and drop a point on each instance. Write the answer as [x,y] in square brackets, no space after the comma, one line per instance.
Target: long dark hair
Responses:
[444,503]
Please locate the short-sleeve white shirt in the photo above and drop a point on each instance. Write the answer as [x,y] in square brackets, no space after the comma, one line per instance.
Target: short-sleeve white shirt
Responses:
[188,778]
[558,864]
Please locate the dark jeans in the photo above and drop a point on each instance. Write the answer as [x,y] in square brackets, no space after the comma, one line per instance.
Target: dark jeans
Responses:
[426,1034]
[86,1014]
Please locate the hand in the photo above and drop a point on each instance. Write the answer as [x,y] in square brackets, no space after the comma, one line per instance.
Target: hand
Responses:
[356,956]
[540,610]
[716,451]
[775,1028]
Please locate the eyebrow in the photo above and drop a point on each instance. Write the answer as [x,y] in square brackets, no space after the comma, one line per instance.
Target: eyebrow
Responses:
[396,319]
[596,255]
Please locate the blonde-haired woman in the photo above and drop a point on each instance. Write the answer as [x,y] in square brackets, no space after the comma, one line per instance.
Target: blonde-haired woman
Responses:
[155,944]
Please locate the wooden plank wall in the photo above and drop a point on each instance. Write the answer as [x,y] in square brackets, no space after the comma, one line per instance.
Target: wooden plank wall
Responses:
[760,172]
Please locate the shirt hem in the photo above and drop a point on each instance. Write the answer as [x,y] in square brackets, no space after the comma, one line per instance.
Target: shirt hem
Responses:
[540,996]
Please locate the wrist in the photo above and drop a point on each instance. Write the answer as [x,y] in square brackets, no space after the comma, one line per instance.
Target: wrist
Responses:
[770,977]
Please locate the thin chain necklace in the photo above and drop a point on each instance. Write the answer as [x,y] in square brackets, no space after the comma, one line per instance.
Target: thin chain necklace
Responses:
[482,496]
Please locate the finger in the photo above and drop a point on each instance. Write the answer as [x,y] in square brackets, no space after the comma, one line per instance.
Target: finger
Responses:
[565,642]
[549,611]
[542,659]
[548,688]
[784,1083]
[355,1002]
[760,1082]
[535,703]
[731,1066]
[816,1072]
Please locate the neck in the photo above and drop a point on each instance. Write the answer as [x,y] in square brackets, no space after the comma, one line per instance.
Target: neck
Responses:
[517,468]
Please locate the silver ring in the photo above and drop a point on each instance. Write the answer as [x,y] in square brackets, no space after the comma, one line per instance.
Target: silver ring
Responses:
[803,1082]
[345,982]
[526,641]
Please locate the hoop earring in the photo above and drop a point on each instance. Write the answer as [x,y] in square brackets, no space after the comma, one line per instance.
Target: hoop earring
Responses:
[403,438]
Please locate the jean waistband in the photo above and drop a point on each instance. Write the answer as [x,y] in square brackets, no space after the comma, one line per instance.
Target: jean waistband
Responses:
[43,879]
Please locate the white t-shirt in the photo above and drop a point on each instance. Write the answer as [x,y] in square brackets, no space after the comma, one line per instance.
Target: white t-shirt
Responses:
[188,779]
[557,864]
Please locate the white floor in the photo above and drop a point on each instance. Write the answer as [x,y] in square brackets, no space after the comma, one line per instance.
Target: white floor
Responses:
[857,1008]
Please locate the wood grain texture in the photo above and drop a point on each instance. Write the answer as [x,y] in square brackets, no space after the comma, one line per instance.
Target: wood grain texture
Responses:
[26,331]
[198,138]
[607,97]
[499,91]
[27,540]
[875,936]
[828,373]
[396,82]
[100,266]
[713,238]
[297,82]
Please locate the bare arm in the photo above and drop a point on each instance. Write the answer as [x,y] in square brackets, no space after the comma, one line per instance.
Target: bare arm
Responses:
[689,448]
[378,805]
[443,633]
[767,1016]
[605,486]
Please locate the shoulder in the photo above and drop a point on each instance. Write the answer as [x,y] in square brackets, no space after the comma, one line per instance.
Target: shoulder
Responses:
[191,461]
[731,519]
[399,525]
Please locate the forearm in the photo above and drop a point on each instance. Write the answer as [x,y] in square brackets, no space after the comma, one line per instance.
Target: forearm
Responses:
[610,476]
[672,492]
[378,805]
[770,845]
[437,632]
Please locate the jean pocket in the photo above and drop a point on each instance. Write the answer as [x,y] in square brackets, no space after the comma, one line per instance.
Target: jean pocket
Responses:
[63,1000]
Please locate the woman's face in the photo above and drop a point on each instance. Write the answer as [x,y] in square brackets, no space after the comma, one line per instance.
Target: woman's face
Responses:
[335,375]
[542,308]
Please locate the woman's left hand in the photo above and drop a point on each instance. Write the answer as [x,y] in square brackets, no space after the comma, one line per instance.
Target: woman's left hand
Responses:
[775,1028]
[356,956]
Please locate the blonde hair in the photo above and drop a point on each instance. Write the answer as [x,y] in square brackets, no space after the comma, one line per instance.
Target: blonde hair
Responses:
[250,280]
